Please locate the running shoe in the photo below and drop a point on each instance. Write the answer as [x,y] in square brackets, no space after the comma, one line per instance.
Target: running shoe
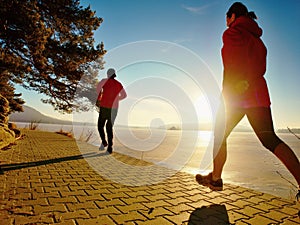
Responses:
[109,149]
[102,146]
[209,182]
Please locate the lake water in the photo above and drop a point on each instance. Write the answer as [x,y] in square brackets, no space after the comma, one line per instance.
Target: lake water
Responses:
[248,163]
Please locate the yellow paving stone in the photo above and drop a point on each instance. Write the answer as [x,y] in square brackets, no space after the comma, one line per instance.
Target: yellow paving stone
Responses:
[234,197]
[291,222]
[73,186]
[40,201]
[142,188]
[40,219]
[139,193]
[131,207]
[199,204]
[101,220]
[279,202]
[248,210]
[295,219]
[66,222]
[36,189]
[132,216]
[175,187]
[235,216]
[55,181]
[86,198]
[82,182]
[192,192]
[230,207]
[158,191]
[156,212]
[228,192]
[112,202]
[177,201]
[197,198]
[121,189]
[247,194]
[109,196]
[155,204]
[267,197]
[177,194]
[55,189]
[54,208]
[110,210]
[213,194]
[289,210]
[72,193]
[97,191]
[6,221]
[239,189]
[218,200]
[70,199]
[264,206]
[78,214]
[156,221]
[21,196]
[161,186]
[180,218]
[260,220]
[138,199]
[240,222]
[276,215]
[96,212]
[156,197]
[254,200]
[83,205]
[240,203]
[180,208]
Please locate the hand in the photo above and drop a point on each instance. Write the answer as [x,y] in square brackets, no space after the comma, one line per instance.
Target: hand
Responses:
[242,86]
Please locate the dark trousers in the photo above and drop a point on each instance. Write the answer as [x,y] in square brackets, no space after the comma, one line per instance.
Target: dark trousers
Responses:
[260,119]
[106,118]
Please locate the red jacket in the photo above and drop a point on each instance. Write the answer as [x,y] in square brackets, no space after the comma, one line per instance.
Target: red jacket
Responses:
[244,59]
[111,91]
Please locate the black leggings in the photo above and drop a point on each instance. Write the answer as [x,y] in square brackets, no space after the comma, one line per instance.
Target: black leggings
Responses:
[106,117]
[260,119]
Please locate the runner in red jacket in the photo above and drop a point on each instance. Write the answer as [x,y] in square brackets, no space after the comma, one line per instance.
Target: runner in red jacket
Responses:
[110,92]
[244,60]
[245,92]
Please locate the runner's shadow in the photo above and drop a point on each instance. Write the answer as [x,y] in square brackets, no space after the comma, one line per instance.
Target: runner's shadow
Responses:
[207,215]
[16,166]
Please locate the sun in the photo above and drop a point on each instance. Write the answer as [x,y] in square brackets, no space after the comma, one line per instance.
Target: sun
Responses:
[203,109]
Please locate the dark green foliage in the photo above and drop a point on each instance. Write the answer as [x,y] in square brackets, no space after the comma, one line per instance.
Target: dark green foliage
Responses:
[8,91]
[47,46]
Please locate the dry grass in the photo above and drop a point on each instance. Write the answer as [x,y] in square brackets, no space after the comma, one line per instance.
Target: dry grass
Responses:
[86,136]
[33,125]
[65,133]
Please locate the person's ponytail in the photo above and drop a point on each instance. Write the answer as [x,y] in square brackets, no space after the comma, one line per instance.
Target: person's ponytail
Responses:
[252,15]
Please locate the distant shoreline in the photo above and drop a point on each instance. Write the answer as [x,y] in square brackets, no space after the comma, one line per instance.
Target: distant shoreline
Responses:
[286,130]
[173,128]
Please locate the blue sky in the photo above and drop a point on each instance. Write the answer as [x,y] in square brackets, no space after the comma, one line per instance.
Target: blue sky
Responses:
[197,26]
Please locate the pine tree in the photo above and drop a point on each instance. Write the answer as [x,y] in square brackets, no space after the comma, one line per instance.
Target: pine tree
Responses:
[7,90]
[47,47]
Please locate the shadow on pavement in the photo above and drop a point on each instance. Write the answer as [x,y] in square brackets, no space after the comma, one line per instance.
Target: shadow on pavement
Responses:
[16,166]
[207,215]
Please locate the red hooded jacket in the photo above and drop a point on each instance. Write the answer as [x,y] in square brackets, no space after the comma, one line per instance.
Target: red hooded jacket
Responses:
[244,59]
